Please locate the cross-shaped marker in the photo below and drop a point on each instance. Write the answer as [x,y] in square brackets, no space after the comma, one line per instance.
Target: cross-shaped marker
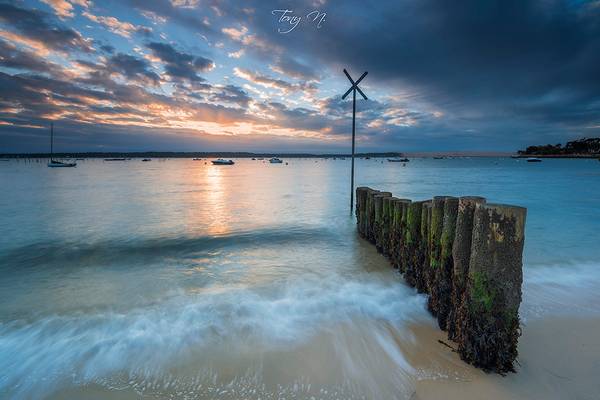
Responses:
[354,88]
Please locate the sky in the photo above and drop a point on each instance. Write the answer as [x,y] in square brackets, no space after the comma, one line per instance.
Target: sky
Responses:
[267,76]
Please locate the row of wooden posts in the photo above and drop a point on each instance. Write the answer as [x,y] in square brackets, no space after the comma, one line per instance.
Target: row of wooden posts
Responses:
[466,254]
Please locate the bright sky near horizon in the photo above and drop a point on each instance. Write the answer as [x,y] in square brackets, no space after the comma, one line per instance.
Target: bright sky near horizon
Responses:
[225,75]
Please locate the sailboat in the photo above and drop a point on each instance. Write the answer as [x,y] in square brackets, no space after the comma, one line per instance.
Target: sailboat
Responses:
[54,163]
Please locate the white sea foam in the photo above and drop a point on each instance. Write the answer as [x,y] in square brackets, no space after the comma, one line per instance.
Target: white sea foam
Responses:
[36,356]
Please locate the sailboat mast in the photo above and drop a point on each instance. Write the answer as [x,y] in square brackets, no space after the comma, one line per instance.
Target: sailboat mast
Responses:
[51,140]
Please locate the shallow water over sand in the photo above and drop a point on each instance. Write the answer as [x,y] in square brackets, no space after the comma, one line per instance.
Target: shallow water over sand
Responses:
[179,279]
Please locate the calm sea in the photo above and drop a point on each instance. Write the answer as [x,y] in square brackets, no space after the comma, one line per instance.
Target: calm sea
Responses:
[180,279]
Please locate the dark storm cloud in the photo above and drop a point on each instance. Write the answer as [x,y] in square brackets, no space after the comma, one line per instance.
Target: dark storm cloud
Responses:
[134,68]
[180,65]
[41,27]
[288,66]
[481,60]
[12,57]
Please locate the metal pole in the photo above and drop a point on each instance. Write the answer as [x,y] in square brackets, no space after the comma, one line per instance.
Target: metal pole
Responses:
[353,135]
[51,140]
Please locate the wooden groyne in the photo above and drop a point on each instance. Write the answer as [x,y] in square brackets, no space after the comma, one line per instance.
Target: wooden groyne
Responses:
[466,254]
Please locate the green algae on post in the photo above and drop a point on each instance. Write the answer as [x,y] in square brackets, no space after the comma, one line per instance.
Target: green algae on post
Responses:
[464,253]
[489,323]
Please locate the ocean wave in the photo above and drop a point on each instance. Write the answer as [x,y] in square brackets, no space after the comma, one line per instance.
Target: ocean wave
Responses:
[565,288]
[140,250]
[36,356]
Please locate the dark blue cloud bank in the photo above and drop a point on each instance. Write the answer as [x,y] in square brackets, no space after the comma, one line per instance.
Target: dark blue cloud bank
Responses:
[202,75]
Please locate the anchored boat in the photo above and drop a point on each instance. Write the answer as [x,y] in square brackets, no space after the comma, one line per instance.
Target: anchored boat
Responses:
[534,159]
[55,163]
[221,161]
[275,160]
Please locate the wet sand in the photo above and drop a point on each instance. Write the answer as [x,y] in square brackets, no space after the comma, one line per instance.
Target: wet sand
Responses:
[559,358]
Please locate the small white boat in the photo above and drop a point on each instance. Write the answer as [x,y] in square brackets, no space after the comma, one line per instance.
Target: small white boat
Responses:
[221,161]
[534,159]
[54,163]
[147,159]
[58,164]
[275,160]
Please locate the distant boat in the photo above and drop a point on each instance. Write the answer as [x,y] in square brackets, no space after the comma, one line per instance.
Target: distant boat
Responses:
[197,159]
[147,159]
[439,158]
[275,160]
[115,159]
[260,158]
[80,159]
[54,163]
[221,161]
[402,160]
[534,159]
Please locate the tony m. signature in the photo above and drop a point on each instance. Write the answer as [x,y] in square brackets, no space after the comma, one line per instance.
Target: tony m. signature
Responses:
[288,21]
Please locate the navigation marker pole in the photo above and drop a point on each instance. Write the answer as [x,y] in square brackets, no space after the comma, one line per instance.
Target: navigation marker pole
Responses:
[353,89]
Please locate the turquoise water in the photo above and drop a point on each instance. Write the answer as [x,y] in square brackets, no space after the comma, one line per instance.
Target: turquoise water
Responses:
[178,278]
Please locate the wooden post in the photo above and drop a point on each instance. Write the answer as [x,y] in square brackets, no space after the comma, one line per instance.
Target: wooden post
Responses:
[461,255]
[378,226]
[444,272]
[402,245]
[422,261]
[413,239]
[435,250]
[490,322]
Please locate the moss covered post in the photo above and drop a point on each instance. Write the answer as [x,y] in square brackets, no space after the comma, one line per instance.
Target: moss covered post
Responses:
[435,251]
[387,225]
[490,322]
[446,265]
[361,205]
[402,248]
[378,225]
[413,240]
[461,255]
[422,258]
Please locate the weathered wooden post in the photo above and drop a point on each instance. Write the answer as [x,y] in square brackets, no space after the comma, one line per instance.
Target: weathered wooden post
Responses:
[361,204]
[444,272]
[435,250]
[403,259]
[461,255]
[490,322]
[378,225]
[422,262]
[413,239]
[370,210]
[386,226]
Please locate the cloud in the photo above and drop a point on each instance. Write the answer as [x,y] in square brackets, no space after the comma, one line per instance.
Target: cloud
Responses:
[121,28]
[13,57]
[64,8]
[181,66]
[271,83]
[36,27]
[136,69]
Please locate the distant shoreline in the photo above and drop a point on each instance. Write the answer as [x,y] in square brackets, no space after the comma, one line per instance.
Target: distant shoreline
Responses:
[216,154]
[167,154]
